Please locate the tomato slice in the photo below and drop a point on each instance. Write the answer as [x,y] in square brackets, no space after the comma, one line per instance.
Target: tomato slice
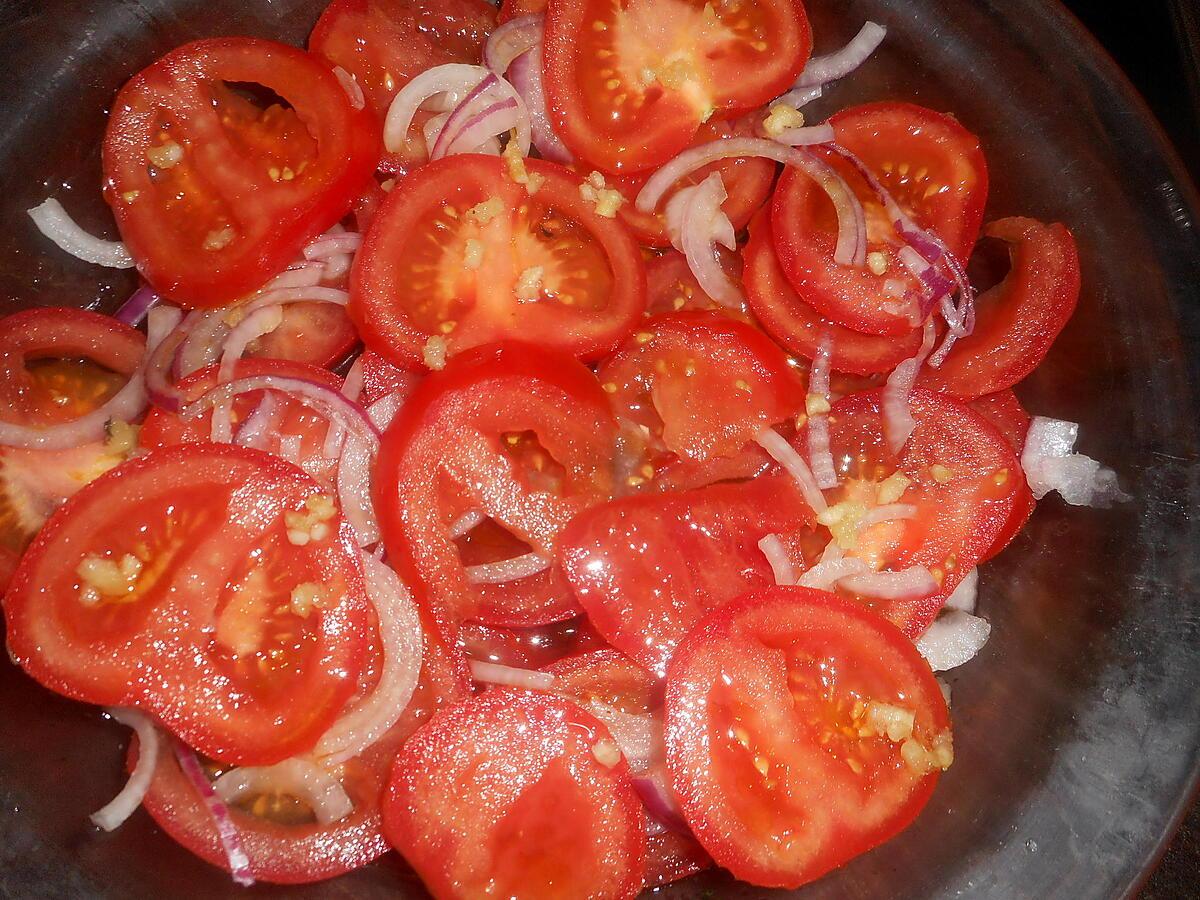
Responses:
[691,390]
[522,435]
[173,584]
[671,286]
[461,254]
[1020,318]
[748,183]
[516,793]
[529,648]
[960,479]
[514,9]
[214,193]
[628,85]
[381,378]
[647,568]
[1004,410]
[320,334]
[934,169]
[800,328]
[802,730]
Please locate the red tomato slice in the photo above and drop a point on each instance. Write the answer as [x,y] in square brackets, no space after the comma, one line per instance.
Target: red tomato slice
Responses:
[802,730]
[522,435]
[514,9]
[747,181]
[1019,318]
[320,334]
[647,568]
[935,170]
[628,85]
[800,328]
[692,390]
[1004,410]
[529,648]
[671,286]
[461,254]
[964,481]
[171,584]
[381,378]
[516,793]
[214,194]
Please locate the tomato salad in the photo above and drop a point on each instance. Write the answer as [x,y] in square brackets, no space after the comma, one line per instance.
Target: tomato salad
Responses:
[538,446]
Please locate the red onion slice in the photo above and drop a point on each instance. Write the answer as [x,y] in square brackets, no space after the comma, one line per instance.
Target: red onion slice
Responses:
[823,69]
[54,222]
[498,118]
[333,244]
[139,304]
[525,74]
[797,98]
[255,325]
[807,136]
[511,676]
[777,558]
[898,421]
[114,813]
[659,803]
[825,575]
[510,40]
[300,778]
[453,81]
[507,570]
[819,454]
[783,453]
[261,424]
[231,841]
[466,522]
[638,735]
[908,584]
[697,223]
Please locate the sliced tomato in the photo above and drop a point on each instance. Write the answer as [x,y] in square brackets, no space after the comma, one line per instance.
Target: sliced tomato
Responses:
[214,193]
[963,482]
[671,286]
[691,391]
[514,9]
[802,730]
[748,183]
[1004,410]
[320,334]
[520,434]
[934,169]
[628,85]
[1020,318]
[172,584]
[671,856]
[647,568]
[516,793]
[800,328]
[462,255]
[529,648]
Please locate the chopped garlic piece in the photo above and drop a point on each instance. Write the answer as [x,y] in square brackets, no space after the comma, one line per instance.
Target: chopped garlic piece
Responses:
[606,752]
[924,760]
[434,353]
[517,170]
[305,597]
[120,437]
[892,488]
[165,156]
[473,254]
[816,404]
[312,525]
[877,263]
[940,473]
[486,211]
[606,200]
[107,577]
[894,721]
[843,521]
[220,238]
[781,118]
[529,285]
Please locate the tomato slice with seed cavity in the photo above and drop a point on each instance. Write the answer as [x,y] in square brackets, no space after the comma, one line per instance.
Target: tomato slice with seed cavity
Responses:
[628,85]
[800,328]
[1020,318]
[173,584]
[935,170]
[647,568]
[520,434]
[1004,411]
[214,191]
[671,286]
[963,482]
[461,255]
[320,334]
[516,793]
[802,730]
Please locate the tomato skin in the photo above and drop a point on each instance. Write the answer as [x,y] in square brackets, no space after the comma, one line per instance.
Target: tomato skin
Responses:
[505,790]
[895,140]
[181,227]
[633,127]
[320,334]
[747,710]
[185,646]
[444,448]
[514,9]
[647,568]
[1018,320]
[481,306]
[1004,410]
[800,328]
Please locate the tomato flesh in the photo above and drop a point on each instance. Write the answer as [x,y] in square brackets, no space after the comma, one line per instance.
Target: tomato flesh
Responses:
[1004,411]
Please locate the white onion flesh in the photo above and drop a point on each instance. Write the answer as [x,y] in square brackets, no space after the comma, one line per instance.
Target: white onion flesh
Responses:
[781,565]
[354,489]
[823,69]
[506,570]
[889,512]
[907,584]
[898,421]
[227,833]
[509,40]
[54,222]
[114,813]
[442,86]
[965,595]
[352,88]
[697,223]
[255,325]
[511,676]
[953,639]
[793,463]
[299,778]
[467,521]
[820,456]
[638,736]
[1051,464]
[333,244]
[825,575]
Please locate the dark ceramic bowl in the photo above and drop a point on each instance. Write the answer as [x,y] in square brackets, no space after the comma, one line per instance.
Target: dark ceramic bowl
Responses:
[1076,728]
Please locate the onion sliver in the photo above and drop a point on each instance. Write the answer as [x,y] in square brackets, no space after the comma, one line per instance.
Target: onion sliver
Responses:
[466,522]
[908,584]
[525,74]
[825,575]
[255,325]
[793,463]
[139,304]
[260,424]
[965,595]
[1051,465]
[508,569]
[455,80]
[953,639]
[400,637]
[352,88]
[823,69]
[511,676]
[354,489]
[898,421]
[638,736]
[231,841]
[122,806]
[333,244]
[304,780]
[890,512]
[820,457]
[52,221]
[697,224]
[659,803]
[781,565]
[510,40]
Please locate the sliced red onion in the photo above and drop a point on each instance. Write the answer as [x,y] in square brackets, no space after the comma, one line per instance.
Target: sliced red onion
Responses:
[126,405]
[510,40]
[300,778]
[204,335]
[354,489]
[908,584]
[508,570]
[331,244]
[784,454]
[965,595]
[231,841]
[823,69]
[52,221]
[261,424]
[777,558]
[452,82]
[466,522]
[352,88]
[825,575]
[255,325]
[525,73]
[819,454]
[511,676]
[953,639]
[498,118]
[935,285]
[891,512]
[659,803]
[898,421]
[383,410]
[306,274]
[134,310]
[697,223]
[400,638]
[638,735]
[114,813]
[287,447]
[284,296]
[807,136]
[798,98]
[165,323]
[1051,464]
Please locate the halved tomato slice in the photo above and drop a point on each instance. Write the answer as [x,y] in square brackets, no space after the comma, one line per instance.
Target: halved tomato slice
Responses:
[214,192]
[516,436]
[671,286]
[800,328]
[628,85]
[529,648]
[320,334]
[461,255]
[647,568]
[1020,318]
[215,587]
[519,794]
[1004,410]
[934,169]
[802,730]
